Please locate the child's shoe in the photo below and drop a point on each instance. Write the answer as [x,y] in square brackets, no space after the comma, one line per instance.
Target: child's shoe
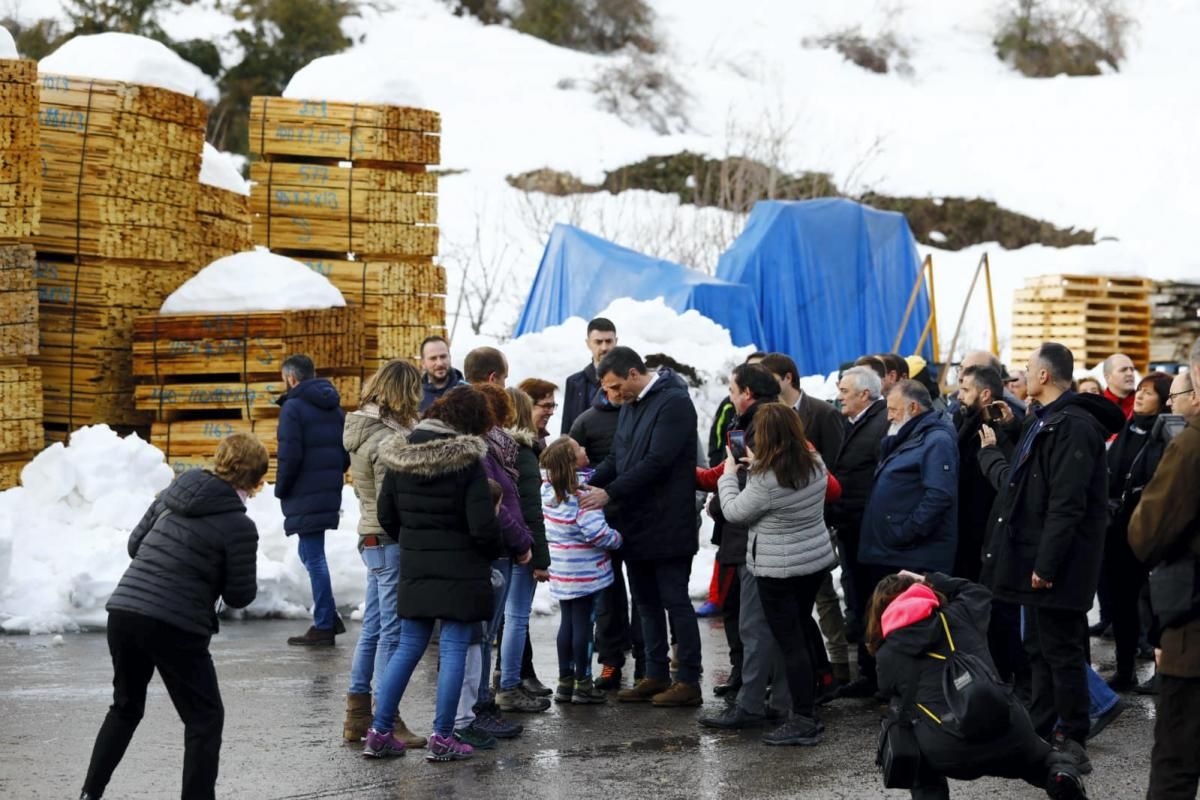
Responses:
[382,745]
[565,690]
[586,693]
[475,736]
[447,748]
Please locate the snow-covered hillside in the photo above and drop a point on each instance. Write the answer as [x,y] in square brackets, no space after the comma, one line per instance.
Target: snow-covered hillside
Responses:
[1115,152]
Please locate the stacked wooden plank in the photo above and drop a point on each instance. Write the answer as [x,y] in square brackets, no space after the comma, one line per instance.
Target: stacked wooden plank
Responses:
[204,376]
[121,196]
[1094,315]
[345,189]
[223,228]
[1176,321]
[20,167]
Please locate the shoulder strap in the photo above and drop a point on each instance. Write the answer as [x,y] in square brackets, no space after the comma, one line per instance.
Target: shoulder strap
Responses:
[949,638]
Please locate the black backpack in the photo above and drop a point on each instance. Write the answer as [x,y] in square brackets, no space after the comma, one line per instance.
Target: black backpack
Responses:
[978,701]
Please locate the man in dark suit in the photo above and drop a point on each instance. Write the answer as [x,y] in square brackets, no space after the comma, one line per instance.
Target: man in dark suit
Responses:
[583,388]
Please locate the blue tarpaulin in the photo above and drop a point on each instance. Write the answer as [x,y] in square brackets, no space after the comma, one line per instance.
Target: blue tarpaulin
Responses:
[831,279]
[581,274]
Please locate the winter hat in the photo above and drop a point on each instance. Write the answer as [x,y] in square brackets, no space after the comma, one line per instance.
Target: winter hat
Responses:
[915,365]
[914,604]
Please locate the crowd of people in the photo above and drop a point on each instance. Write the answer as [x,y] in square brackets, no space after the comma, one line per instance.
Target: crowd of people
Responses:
[972,527]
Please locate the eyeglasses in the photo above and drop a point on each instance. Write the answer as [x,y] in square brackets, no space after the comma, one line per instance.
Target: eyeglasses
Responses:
[1173,395]
[547,406]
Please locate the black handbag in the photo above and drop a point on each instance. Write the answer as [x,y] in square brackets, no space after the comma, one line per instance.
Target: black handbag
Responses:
[897,753]
[1175,591]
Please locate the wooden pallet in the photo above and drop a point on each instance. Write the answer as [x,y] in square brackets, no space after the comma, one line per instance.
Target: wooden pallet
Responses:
[20,164]
[20,409]
[192,444]
[286,129]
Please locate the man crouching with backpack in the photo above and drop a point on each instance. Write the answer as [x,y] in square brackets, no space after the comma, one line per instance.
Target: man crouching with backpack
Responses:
[921,629]
[1165,534]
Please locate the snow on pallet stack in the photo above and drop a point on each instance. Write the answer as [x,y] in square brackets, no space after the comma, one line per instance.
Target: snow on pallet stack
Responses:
[345,189]
[1176,323]
[1094,315]
[20,205]
[213,368]
[119,217]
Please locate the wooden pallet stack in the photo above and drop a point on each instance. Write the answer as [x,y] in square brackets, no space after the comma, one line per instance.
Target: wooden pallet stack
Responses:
[121,193]
[1176,321]
[20,209]
[204,376]
[1094,315]
[346,189]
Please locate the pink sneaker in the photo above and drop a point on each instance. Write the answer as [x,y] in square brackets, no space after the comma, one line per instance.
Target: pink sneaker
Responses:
[447,748]
[382,745]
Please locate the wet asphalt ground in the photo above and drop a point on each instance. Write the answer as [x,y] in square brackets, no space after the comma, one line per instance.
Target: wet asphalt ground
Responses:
[283,735]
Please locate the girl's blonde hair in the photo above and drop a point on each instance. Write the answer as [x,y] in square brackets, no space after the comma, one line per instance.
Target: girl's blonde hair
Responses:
[396,389]
[558,460]
[523,408]
[241,461]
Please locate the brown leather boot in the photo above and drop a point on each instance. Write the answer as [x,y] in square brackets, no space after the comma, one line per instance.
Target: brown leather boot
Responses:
[358,717]
[642,691]
[680,694]
[410,739]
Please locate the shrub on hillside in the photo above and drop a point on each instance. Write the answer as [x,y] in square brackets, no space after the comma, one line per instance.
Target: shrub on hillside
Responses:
[594,26]
[640,90]
[1044,38]
[880,53]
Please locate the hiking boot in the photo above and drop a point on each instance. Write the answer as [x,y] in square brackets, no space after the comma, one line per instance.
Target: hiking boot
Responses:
[358,717]
[410,739]
[610,678]
[488,718]
[1065,784]
[678,696]
[535,688]
[732,718]
[518,701]
[382,745]
[1101,722]
[564,690]
[477,738]
[313,637]
[858,688]
[642,691]
[1148,686]
[1074,749]
[447,748]
[586,693]
[796,731]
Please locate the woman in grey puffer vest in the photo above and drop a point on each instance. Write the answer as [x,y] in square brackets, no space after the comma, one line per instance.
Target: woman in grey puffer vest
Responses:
[388,408]
[789,551]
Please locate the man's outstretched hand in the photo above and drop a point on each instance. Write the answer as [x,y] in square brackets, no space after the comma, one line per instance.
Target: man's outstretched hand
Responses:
[593,499]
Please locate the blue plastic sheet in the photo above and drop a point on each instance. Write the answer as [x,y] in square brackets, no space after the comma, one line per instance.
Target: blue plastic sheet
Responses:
[831,279]
[581,274]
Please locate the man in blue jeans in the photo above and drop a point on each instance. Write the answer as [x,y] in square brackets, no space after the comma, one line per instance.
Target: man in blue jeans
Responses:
[651,472]
[310,469]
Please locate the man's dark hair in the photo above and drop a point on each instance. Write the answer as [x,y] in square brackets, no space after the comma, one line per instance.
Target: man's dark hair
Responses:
[299,367]
[1058,361]
[895,363]
[482,362]
[781,365]
[875,363]
[619,361]
[757,355]
[756,379]
[685,371]
[986,378]
[914,392]
[431,340]
[601,324]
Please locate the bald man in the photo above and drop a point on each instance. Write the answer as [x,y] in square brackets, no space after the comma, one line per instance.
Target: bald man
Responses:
[1121,378]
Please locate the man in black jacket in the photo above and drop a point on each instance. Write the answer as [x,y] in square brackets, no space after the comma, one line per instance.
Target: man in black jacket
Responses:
[1047,537]
[583,388]
[651,472]
[438,376]
[310,472]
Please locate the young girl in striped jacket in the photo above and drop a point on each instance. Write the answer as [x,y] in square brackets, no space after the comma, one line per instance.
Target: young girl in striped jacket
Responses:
[579,567]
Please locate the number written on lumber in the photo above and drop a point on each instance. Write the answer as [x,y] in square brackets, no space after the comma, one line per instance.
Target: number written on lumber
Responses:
[320,136]
[62,119]
[320,267]
[304,227]
[217,430]
[314,108]
[285,198]
[314,174]
[56,82]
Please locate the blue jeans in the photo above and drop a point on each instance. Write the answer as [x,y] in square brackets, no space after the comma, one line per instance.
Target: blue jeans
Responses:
[452,652]
[380,625]
[516,624]
[505,567]
[1101,697]
[312,555]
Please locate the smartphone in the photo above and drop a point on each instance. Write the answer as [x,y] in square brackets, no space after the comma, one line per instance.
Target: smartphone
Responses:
[993,412]
[737,443]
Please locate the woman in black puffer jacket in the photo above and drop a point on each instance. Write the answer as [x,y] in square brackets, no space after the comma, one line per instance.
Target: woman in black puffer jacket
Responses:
[194,545]
[904,626]
[436,502]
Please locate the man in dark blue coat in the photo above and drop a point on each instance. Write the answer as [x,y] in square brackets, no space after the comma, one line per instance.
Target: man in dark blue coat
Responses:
[310,469]
[438,376]
[583,388]
[651,472]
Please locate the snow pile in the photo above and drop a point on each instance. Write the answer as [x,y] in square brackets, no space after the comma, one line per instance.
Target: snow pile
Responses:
[8,48]
[132,59]
[218,169]
[64,534]
[361,75]
[257,280]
